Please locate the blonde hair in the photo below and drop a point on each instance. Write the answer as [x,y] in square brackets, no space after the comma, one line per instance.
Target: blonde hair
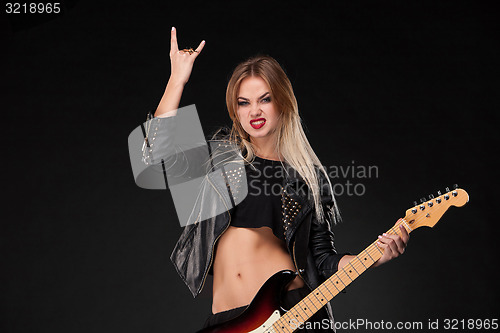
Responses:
[292,143]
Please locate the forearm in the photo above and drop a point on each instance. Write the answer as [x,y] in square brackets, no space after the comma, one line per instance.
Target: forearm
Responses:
[345,260]
[170,100]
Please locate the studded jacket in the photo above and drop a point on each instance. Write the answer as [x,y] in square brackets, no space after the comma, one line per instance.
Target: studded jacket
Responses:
[310,242]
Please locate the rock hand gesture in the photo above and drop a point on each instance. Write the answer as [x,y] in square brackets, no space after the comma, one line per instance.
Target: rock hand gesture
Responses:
[181,62]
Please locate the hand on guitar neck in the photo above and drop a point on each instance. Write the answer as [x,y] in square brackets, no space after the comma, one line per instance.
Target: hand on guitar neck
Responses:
[393,245]
[265,315]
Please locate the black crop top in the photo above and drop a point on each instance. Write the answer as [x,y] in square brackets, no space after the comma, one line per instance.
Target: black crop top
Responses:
[262,205]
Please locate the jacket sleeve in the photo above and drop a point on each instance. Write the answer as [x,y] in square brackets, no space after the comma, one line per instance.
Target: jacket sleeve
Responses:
[321,239]
[172,146]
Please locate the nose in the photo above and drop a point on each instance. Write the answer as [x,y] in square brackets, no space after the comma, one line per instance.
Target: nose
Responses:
[255,110]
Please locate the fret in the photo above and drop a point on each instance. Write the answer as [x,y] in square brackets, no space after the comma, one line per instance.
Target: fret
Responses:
[331,282]
[305,308]
[366,258]
[322,297]
[328,289]
[315,294]
[351,272]
[361,261]
[296,314]
[340,280]
[376,247]
[308,298]
[298,311]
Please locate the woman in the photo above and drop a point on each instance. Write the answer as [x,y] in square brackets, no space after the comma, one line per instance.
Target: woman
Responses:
[268,231]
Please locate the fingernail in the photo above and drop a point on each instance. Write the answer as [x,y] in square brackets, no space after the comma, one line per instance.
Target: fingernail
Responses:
[173,28]
[385,234]
[379,236]
[203,41]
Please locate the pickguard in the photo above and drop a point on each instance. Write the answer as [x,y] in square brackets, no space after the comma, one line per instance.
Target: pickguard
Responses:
[268,323]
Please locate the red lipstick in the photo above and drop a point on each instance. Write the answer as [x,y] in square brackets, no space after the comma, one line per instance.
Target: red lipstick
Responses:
[257,123]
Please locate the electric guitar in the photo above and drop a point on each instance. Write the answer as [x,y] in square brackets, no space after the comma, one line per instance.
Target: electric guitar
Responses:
[264,313]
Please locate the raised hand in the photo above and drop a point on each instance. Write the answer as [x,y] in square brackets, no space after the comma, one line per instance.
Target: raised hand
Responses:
[182,60]
[181,66]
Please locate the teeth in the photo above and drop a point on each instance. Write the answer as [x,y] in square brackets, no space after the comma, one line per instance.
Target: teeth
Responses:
[258,122]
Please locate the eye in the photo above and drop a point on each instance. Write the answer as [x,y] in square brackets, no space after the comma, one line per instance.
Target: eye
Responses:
[266,100]
[242,103]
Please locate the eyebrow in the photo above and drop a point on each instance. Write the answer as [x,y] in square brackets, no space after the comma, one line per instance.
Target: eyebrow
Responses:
[258,98]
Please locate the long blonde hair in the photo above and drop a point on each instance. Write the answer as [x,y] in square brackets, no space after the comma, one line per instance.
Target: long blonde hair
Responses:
[292,143]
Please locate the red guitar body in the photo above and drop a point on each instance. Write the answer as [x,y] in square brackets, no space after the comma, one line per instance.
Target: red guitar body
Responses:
[262,307]
[265,309]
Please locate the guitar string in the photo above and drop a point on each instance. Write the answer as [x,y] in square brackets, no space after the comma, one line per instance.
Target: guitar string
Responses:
[340,279]
[372,246]
[338,273]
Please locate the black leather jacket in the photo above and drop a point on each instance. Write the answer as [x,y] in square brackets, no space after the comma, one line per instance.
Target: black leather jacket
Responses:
[309,241]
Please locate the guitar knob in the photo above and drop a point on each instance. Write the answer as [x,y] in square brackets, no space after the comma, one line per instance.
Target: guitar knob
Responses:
[414,210]
[422,207]
[438,200]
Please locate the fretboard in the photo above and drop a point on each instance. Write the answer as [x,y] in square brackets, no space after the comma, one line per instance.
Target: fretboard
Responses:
[325,292]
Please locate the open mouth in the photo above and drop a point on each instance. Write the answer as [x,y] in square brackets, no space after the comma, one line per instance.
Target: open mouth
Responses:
[257,123]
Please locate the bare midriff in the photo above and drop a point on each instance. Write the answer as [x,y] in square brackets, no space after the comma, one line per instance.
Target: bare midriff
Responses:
[244,259]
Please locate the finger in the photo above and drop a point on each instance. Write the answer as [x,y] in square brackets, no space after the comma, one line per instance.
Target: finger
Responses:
[405,236]
[173,40]
[392,242]
[398,241]
[404,233]
[400,245]
[386,250]
[199,48]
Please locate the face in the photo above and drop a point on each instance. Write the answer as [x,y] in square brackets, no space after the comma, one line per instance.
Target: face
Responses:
[257,111]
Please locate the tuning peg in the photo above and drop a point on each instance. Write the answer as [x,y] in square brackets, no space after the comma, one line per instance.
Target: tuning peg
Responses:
[439,192]
[447,189]
[422,200]
[431,196]
[414,203]
[455,186]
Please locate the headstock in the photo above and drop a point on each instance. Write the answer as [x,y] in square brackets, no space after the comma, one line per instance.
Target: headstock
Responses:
[428,213]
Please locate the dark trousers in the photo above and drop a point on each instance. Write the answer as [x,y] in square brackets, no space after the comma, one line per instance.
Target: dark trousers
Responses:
[317,323]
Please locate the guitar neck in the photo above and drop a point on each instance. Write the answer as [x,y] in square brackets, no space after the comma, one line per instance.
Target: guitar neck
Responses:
[324,293]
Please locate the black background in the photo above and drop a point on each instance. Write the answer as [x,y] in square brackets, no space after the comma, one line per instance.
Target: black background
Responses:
[406,86]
